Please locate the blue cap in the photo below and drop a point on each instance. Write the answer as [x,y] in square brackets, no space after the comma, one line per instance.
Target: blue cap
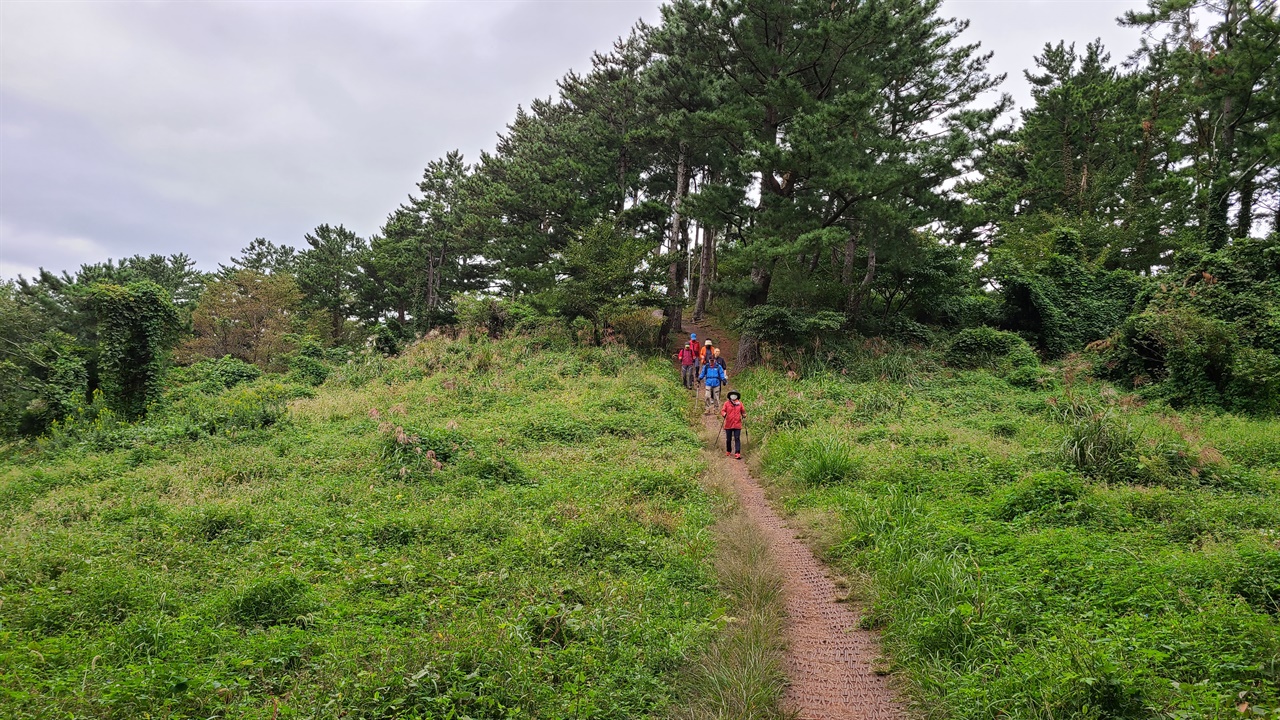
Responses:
[693,336]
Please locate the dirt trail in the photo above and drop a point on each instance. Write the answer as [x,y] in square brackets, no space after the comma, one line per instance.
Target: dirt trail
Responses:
[829,659]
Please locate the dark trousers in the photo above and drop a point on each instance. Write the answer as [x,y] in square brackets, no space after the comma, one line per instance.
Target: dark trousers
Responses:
[689,374]
[732,438]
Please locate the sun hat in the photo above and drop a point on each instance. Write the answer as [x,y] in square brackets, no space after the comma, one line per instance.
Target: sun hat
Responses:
[734,395]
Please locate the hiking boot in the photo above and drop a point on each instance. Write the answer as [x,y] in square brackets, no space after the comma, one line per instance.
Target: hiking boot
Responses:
[728,454]
[738,456]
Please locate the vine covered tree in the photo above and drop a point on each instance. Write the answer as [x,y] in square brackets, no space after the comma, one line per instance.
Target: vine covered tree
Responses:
[138,326]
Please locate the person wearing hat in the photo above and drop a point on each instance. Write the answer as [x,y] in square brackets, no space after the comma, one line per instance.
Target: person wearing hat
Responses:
[704,356]
[688,371]
[732,411]
[712,377]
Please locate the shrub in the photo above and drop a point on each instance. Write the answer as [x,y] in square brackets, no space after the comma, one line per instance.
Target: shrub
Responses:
[827,462]
[1097,441]
[213,375]
[94,426]
[493,316]
[245,407]
[638,328]
[308,370]
[494,470]
[1185,356]
[1255,382]
[1210,334]
[787,326]
[1067,303]
[1040,492]
[990,348]
[1030,378]
[1258,580]
[274,601]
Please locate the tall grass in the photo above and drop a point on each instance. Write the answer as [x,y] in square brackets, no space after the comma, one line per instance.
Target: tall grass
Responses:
[1032,554]
[397,542]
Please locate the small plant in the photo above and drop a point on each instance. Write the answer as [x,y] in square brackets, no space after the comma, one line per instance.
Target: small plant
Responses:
[827,461]
[1097,441]
[275,601]
[1041,492]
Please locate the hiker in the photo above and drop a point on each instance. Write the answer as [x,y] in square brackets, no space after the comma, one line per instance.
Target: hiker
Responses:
[704,357]
[733,412]
[688,373]
[713,377]
[719,360]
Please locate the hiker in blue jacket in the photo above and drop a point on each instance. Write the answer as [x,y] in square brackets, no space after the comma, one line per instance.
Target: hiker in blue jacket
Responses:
[713,377]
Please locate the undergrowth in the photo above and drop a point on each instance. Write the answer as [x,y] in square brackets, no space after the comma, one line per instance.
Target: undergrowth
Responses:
[1039,550]
[473,529]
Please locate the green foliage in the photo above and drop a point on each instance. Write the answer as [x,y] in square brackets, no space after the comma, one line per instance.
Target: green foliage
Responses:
[138,325]
[1066,304]
[328,273]
[1040,493]
[244,407]
[494,316]
[1213,339]
[212,375]
[787,326]
[826,462]
[638,329]
[986,347]
[1008,579]
[275,600]
[187,574]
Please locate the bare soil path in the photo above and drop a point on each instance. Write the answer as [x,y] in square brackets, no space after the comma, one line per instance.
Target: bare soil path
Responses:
[829,659]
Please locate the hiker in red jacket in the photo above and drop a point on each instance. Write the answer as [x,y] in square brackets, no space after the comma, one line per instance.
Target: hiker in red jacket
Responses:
[688,371]
[733,412]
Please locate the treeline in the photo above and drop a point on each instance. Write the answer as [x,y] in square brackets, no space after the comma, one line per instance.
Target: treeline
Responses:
[816,169]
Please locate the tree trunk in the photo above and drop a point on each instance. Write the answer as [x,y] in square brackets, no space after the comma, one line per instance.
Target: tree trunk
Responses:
[1244,216]
[850,248]
[858,295]
[673,314]
[748,344]
[336,322]
[704,274]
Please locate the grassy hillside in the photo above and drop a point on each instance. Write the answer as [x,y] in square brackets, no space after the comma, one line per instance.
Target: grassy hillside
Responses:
[475,529]
[1040,551]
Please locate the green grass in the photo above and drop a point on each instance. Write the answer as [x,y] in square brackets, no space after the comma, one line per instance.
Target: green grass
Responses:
[1032,553]
[475,529]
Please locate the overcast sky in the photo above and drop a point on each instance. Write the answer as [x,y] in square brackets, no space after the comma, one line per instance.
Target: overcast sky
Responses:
[141,127]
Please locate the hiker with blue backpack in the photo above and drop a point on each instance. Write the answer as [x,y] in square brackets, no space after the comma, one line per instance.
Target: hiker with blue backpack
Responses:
[713,378]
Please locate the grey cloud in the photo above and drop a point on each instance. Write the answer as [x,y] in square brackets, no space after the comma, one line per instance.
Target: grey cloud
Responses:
[194,127]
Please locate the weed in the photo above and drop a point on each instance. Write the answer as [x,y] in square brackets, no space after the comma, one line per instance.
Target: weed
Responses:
[825,461]
[1035,554]
[274,600]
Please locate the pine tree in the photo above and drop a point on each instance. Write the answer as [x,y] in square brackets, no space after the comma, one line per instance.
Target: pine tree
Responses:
[328,273]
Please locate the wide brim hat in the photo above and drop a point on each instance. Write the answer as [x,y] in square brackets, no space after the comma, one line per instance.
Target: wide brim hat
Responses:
[734,395]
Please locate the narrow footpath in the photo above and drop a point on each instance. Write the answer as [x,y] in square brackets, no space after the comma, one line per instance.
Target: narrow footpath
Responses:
[829,659]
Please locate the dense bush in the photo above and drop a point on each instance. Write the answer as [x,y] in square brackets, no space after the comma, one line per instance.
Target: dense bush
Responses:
[214,374]
[1210,334]
[788,326]
[986,347]
[638,328]
[1065,303]
[272,601]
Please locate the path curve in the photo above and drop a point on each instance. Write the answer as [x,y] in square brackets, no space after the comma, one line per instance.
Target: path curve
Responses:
[829,659]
